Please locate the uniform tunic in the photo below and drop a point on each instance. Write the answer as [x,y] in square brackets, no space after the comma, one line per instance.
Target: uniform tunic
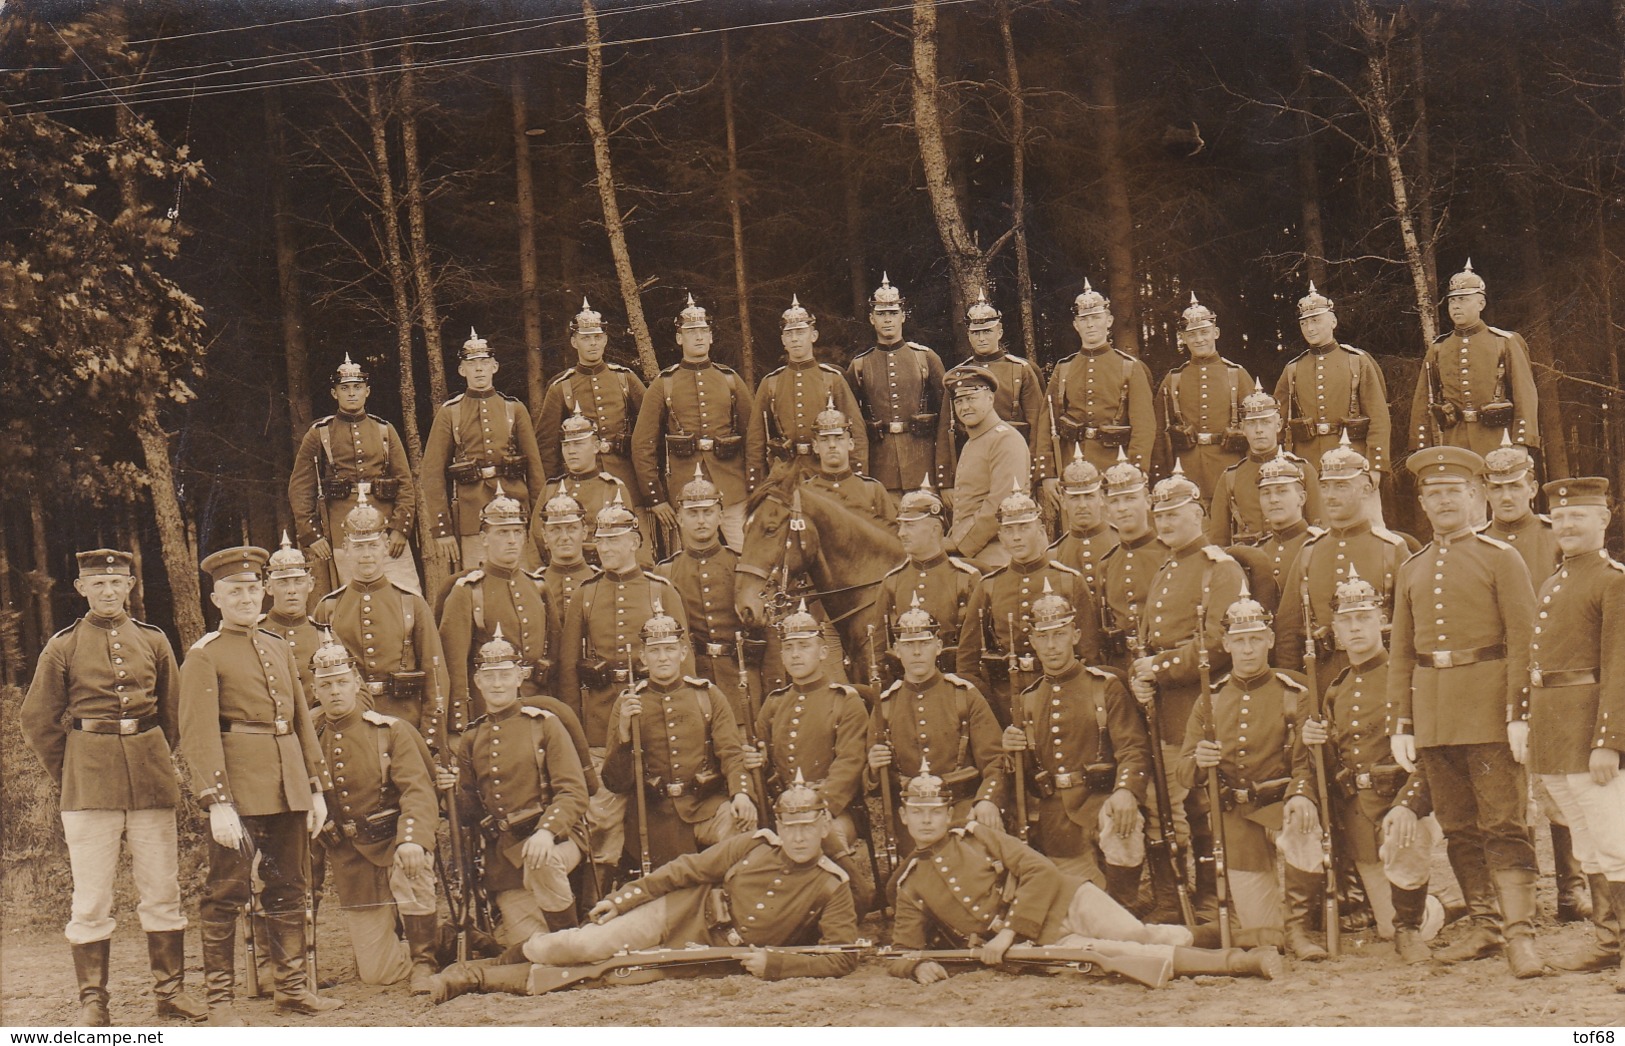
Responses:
[704,400]
[592,490]
[1581,612]
[946,585]
[370,619]
[1007,595]
[1085,553]
[989,463]
[1466,364]
[1236,515]
[1206,397]
[858,493]
[1326,385]
[1196,574]
[563,582]
[480,602]
[356,748]
[302,636]
[1535,541]
[603,624]
[895,385]
[1280,549]
[1126,575]
[946,723]
[705,580]
[819,729]
[348,449]
[487,429]
[788,401]
[1107,387]
[1021,402]
[1326,559]
[608,393]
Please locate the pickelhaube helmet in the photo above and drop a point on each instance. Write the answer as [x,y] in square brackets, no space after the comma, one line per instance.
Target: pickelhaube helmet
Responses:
[924,788]
[286,561]
[661,627]
[918,504]
[693,316]
[800,624]
[588,320]
[1258,403]
[1467,282]
[1051,610]
[799,804]
[1278,470]
[1507,463]
[349,371]
[1079,476]
[1176,491]
[699,492]
[615,519]
[364,522]
[1018,506]
[562,508]
[331,657]
[577,427]
[1246,614]
[916,623]
[497,653]
[1355,593]
[1313,304]
[475,348]
[831,421]
[1197,316]
[1090,302]
[796,317]
[1123,477]
[1343,461]
[981,315]
[886,298]
[502,510]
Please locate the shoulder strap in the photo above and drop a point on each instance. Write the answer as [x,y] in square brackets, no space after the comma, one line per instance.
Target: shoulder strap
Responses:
[408,637]
[326,434]
[476,595]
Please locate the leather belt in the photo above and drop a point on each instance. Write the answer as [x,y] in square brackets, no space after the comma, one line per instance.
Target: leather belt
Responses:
[1324,428]
[1567,677]
[1469,414]
[804,450]
[1090,432]
[896,428]
[519,817]
[488,471]
[237,726]
[122,727]
[1459,658]
[1074,779]
[705,443]
[1207,439]
[377,686]
[714,649]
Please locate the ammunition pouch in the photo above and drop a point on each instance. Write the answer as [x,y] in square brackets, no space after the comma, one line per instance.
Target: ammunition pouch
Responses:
[719,912]
[707,782]
[1357,428]
[1303,430]
[512,467]
[463,473]
[924,425]
[961,784]
[685,446]
[541,672]
[1070,432]
[1325,639]
[386,489]
[947,660]
[377,827]
[337,489]
[1256,794]
[1446,414]
[1182,438]
[1096,779]
[521,823]
[1384,780]
[616,445]
[408,686]
[330,835]
[729,447]
[755,651]
[595,673]
[1114,435]
[1498,415]
[1114,642]
[1043,783]
[1234,441]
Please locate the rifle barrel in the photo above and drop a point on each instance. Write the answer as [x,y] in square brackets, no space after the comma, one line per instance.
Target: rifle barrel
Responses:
[1317,755]
[1221,871]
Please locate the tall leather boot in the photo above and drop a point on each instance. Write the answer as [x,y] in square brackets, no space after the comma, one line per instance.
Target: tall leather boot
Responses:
[420,940]
[90,966]
[1205,899]
[1232,962]
[480,975]
[1483,933]
[1602,951]
[561,920]
[293,991]
[167,952]
[265,973]
[1303,894]
[1206,935]
[1165,895]
[1516,889]
[1572,904]
[220,972]
[1123,885]
[1616,901]
[1410,906]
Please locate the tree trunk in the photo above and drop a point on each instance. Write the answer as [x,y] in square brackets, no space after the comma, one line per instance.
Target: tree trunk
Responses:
[613,224]
[1018,182]
[12,655]
[295,347]
[417,223]
[1423,165]
[1121,274]
[1314,233]
[530,289]
[747,345]
[130,541]
[40,581]
[180,558]
[1613,416]
[852,214]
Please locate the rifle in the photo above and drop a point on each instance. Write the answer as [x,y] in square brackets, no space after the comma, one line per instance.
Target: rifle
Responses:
[888,840]
[1169,841]
[1221,873]
[758,780]
[251,976]
[1317,753]
[638,785]
[458,904]
[1149,970]
[641,967]
[327,526]
[311,979]
[1019,759]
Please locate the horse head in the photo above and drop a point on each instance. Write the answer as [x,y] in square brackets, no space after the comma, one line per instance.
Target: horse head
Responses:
[779,546]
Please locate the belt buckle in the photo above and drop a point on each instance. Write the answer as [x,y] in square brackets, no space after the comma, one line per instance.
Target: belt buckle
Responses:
[488,471]
[1205,439]
[1443,659]
[897,428]
[363,486]
[1090,432]
[674,790]
[1026,662]
[1323,428]
[282,726]
[1536,677]
[1065,780]
[622,675]
[1362,781]
[127,726]
[804,449]
[714,650]
[376,687]
[1241,795]
[1468,414]
[604,446]
[705,443]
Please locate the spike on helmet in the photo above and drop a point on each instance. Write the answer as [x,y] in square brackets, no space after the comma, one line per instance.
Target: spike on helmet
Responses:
[615,519]
[1124,477]
[699,492]
[1051,610]
[1079,476]
[692,317]
[1508,462]
[1279,469]
[1313,304]
[800,624]
[1176,491]
[364,522]
[1259,404]
[577,427]
[1246,615]
[918,504]
[796,317]
[497,653]
[476,347]
[1343,461]
[799,804]
[1197,316]
[1467,282]
[982,315]
[1090,302]
[331,658]
[924,788]
[588,320]
[286,561]
[502,510]
[1018,506]
[349,371]
[660,628]
[886,298]
[831,421]
[916,623]
[1355,593]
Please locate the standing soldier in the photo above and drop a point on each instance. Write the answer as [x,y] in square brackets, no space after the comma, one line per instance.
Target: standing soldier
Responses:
[1088,539]
[899,385]
[994,457]
[288,581]
[944,585]
[381,839]
[788,401]
[1282,494]
[1569,732]
[583,479]
[1019,396]
[1100,397]
[342,457]
[1333,388]
[1463,609]
[1126,572]
[258,769]
[564,535]
[1089,759]
[832,445]
[609,394]
[391,629]
[697,411]
[1199,403]
[1475,381]
[480,444]
[107,683]
[1236,516]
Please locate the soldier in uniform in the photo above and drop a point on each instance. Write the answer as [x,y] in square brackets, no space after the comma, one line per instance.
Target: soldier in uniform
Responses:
[1100,397]
[1002,608]
[1246,732]
[258,769]
[584,480]
[1087,761]
[779,891]
[1475,380]
[932,716]
[944,585]
[1236,515]
[1282,494]
[289,584]
[697,411]
[610,395]
[1332,388]
[381,839]
[1019,397]
[994,457]
[101,716]
[1199,403]
[788,400]
[481,443]
[392,631]
[899,386]
[564,535]
[693,764]
[1088,538]
[1127,570]
[342,457]
[832,445]
[1571,727]
[1463,608]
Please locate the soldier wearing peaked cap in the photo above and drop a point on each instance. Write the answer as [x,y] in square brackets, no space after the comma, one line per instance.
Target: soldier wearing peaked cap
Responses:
[1019,398]
[832,446]
[789,401]
[480,440]
[1332,388]
[608,394]
[1088,538]
[1126,572]
[257,767]
[1100,397]
[1237,515]
[1199,403]
[341,457]
[1457,695]
[899,388]
[1476,379]
[101,716]
[584,480]
[994,457]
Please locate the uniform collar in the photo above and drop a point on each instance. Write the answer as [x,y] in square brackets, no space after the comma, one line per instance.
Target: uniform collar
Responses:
[992,357]
[891,346]
[835,477]
[811,364]
[921,689]
[1069,672]
[1599,555]
[1477,327]
[1323,350]
[234,630]
[351,418]
[1358,527]
[569,569]
[1378,659]
[483,394]
[109,622]
[349,722]
[1255,683]
[591,368]
[1030,568]
[1295,529]
[377,584]
[812,686]
[1095,354]
[281,620]
[1091,534]
[506,714]
[702,365]
[667,688]
[580,477]
[1191,547]
[1521,525]
[500,573]
[1135,544]
[707,552]
[630,575]
[931,563]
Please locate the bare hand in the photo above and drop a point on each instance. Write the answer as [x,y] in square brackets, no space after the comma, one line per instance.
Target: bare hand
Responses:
[1399,827]
[879,757]
[603,911]
[992,953]
[1122,809]
[1208,754]
[755,759]
[631,708]
[1015,739]
[397,544]
[985,813]
[320,549]
[445,778]
[1518,739]
[225,826]
[1604,765]
[755,963]
[1404,748]
[537,848]
[745,815]
[665,514]
[1314,731]
[930,973]
[317,815]
[1301,815]
[412,859]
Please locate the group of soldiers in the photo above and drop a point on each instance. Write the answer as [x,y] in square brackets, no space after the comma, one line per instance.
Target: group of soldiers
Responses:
[1212,709]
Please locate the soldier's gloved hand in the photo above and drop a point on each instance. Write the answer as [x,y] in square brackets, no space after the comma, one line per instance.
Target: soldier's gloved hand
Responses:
[1518,739]
[317,815]
[992,953]
[449,547]
[320,549]
[755,759]
[1404,748]
[412,859]
[879,757]
[225,826]
[930,973]
[1399,827]
[603,911]
[1208,754]
[755,963]
[745,815]
[1301,815]
[986,813]
[631,708]
[665,514]
[1123,809]
[445,778]
[397,544]
[1314,731]
[1015,739]
[1604,765]
[537,848]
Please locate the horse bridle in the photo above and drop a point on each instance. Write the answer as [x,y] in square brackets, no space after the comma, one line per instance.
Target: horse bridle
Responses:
[782,594]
